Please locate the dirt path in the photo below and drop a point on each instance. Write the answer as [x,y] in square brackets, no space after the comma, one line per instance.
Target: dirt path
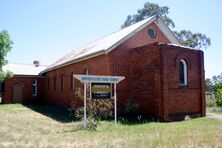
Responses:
[214,115]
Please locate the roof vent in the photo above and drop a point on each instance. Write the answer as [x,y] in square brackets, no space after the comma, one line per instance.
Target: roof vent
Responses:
[36,63]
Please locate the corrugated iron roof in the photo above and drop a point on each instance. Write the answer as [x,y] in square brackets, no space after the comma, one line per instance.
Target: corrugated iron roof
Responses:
[24,69]
[109,42]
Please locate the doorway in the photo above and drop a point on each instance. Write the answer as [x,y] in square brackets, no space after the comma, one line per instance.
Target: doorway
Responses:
[17,93]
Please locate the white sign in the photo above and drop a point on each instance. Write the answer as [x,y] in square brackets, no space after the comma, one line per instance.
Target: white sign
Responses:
[99,79]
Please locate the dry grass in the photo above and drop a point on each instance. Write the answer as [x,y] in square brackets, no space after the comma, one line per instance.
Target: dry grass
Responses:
[37,126]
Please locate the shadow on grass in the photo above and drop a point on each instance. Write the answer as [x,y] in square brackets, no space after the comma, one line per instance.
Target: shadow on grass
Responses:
[56,113]
[63,115]
[135,121]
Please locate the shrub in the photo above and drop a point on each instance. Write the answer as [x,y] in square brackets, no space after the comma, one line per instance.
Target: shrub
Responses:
[219,97]
[96,109]
[214,109]
[131,107]
[210,100]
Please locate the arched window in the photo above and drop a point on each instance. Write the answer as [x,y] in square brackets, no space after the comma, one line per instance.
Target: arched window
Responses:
[54,82]
[62,82]
[183,72]
[48,83]
[71,81]
[86,71]
[34,87]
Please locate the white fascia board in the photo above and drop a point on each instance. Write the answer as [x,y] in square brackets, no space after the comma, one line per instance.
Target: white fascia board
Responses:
[167,32]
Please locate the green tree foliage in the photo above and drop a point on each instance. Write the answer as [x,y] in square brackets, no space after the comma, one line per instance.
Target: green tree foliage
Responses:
[219,94]
[4,74]
[214,86]
[187,38]
[147,11]
[194,40]
[5,47]
[209,86]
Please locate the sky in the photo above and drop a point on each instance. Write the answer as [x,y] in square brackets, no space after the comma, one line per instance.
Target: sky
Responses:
[46,30]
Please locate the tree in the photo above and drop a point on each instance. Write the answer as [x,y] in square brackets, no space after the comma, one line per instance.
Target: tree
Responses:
[214,86]
[5,47]
[194,40]
[217,79]
[209,86]
[187,38]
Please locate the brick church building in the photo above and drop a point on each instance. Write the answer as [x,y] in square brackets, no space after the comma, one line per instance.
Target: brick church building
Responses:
[163,77]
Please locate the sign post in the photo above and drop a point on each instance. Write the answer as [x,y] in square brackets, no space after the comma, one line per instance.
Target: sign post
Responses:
[115,106]
[100,91]
[84,104]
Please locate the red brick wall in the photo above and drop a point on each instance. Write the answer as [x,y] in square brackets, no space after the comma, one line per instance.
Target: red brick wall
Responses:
[154,82]
[180,100]
[98,65]
[145,80]
[26,82]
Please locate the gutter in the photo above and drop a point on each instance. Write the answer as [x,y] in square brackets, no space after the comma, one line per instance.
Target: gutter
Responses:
[17,75]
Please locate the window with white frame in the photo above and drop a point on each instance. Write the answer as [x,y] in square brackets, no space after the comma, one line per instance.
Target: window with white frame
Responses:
[34,87]
[183,72]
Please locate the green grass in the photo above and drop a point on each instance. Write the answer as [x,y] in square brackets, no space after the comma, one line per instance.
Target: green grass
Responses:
[36,126]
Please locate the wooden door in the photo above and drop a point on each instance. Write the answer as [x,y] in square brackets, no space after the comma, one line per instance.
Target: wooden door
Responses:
[17,93]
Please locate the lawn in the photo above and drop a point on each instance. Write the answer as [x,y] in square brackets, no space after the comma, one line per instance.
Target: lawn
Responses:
[45,126]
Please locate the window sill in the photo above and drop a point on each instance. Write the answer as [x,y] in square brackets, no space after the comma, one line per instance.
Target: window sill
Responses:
[183,85]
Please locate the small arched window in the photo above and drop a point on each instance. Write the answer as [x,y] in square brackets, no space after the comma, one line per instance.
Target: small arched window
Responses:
[71,81]
[54,82]
[34,87]
[86,71]
[62,82]
[183,72]
[48,83]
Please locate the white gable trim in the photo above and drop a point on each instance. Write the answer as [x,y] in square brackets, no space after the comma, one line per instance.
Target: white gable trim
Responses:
[131,34]
[160,24]
[167,32]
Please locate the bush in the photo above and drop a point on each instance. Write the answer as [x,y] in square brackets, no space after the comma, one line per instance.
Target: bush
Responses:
[210,100]
[96,109]
[219,97]
[131,107]
[214,109]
